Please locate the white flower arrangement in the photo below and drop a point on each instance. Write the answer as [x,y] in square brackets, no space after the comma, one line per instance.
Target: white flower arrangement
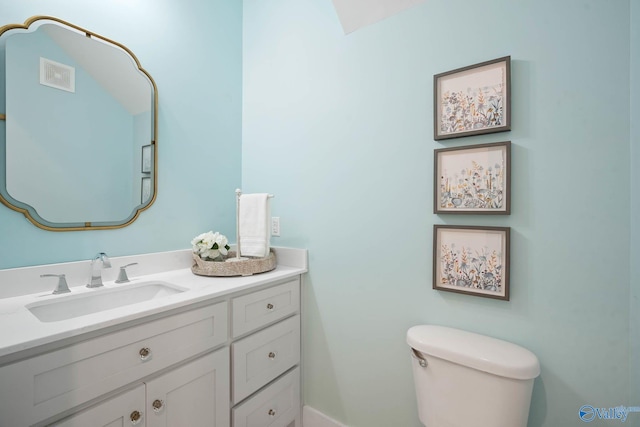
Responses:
[210,246]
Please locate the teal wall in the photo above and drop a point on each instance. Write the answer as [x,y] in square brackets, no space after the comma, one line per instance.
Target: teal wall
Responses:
[340,129]
[192,49]
[634,331]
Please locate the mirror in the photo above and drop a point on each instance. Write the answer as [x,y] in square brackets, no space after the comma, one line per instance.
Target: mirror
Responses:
[77,129]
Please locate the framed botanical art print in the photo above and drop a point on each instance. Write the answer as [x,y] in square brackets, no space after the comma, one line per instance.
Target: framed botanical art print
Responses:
[146,159]
[473,100]
[471,260]
[145,190]
[474,179]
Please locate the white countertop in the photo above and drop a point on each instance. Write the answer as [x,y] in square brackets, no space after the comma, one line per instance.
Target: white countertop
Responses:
[21,330]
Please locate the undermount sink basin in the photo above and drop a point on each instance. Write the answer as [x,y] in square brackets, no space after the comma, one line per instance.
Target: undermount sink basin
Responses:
[102,299]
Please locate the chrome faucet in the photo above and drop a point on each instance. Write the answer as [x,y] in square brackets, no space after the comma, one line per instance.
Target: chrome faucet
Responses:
[99,262]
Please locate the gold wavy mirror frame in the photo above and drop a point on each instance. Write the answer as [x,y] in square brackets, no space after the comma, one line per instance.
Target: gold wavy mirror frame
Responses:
[114,168]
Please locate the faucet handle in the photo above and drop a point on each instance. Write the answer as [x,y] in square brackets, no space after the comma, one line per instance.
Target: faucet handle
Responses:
[122,275]
[62,287]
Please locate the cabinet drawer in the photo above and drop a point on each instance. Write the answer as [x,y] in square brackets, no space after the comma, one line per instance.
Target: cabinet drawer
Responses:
[54,382]
[263,356]
[253,311]
[275,406]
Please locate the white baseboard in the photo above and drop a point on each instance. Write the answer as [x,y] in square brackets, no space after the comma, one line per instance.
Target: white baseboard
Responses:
[314,418]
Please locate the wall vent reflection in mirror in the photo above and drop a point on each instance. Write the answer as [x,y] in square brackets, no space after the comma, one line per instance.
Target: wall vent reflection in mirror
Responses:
[57,75]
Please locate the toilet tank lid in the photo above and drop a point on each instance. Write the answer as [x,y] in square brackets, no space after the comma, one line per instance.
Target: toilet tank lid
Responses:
[475,351]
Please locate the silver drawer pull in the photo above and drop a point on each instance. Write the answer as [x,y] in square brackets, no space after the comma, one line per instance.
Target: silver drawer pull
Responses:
[145,353]
[270,306]
[271,355]
[135,417]
[272,412]
[157,405]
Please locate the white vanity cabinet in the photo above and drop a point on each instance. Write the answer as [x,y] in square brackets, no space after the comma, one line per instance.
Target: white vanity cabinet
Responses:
[39,387]
[197,393]
[231,362]
[266,357]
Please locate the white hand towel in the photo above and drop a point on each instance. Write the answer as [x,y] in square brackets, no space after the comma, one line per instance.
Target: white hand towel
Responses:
[254,224]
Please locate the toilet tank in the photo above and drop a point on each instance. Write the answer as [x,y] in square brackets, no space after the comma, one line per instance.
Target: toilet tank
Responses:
[464,379]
